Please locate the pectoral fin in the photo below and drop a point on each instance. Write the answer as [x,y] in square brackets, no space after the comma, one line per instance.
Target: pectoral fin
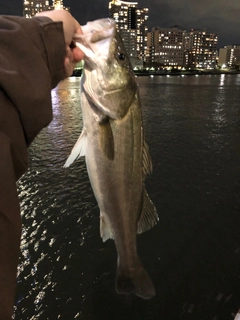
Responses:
[106,139]
[79,149]
[149,216]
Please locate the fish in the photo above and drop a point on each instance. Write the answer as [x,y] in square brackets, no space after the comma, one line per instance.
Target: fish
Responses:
[116,154]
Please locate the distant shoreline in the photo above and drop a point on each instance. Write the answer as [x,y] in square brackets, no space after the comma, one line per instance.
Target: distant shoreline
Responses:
[144,73]
[186,73]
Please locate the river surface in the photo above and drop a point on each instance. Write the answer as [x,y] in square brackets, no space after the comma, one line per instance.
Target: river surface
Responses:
[192,126]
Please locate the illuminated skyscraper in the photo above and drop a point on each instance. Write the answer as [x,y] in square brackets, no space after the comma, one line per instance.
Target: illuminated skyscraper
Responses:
[165,46]
[200,48]
[177,47]
[31,7]
[131,23]
[58,4]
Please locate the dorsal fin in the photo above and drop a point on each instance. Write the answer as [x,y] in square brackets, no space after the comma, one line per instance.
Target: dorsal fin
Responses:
[149,216]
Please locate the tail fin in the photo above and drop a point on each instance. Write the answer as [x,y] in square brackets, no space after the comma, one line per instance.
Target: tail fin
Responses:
[135,280]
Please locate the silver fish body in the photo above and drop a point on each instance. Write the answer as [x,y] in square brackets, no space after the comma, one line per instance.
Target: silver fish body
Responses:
[115,151]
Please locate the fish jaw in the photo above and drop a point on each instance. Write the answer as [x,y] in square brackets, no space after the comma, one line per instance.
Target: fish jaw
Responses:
[96,39]
[110,81]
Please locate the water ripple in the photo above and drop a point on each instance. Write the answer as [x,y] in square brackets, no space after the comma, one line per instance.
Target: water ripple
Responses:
[65,272]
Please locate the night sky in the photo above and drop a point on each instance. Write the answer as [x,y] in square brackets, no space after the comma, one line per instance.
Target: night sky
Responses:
[218,16]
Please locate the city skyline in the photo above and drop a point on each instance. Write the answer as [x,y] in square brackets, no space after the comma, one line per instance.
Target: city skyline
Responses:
[216,15]
[31,7]
[131,22]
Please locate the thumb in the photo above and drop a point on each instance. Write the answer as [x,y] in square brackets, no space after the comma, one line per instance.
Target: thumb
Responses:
[79,30]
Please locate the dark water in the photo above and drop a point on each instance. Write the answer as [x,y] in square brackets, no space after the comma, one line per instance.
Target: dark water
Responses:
[192,255]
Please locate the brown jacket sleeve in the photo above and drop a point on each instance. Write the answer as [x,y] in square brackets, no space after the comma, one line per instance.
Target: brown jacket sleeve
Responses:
[32,63]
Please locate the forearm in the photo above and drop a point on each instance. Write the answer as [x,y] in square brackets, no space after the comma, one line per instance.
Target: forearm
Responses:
[32,45]
[32,63]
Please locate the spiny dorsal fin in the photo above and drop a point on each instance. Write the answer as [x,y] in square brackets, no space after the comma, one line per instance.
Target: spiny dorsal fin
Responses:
[146,158]
[79,149]
[149,216]
[105,229]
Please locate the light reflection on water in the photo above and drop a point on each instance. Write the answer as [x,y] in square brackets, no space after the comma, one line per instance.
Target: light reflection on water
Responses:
[192,125]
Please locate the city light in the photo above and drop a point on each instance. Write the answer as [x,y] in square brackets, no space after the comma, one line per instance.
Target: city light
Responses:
[35,6]
[161,46]
[131,23]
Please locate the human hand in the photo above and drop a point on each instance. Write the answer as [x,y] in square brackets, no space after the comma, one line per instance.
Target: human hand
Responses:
[70,27]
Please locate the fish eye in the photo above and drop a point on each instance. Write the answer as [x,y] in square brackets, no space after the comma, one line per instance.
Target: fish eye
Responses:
[121,56]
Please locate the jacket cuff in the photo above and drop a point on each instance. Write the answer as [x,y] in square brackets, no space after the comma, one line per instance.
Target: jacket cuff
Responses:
[55,48]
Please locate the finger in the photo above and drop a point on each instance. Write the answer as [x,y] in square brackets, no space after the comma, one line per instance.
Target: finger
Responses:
[68,67]
[79,30]
[68,52]
[77,26]
[78,55]
[74,54]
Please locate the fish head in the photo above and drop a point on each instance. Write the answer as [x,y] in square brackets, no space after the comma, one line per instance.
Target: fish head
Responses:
[109,78]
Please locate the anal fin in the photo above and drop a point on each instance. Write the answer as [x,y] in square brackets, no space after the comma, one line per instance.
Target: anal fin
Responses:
[146,158]
[149,216]
[105,228]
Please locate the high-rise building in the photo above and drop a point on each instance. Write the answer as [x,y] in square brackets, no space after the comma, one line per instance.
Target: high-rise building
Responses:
[131,23]
[200,48]
[165,46]
[58,4]
[31,7]
[178,47]
[229,56]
